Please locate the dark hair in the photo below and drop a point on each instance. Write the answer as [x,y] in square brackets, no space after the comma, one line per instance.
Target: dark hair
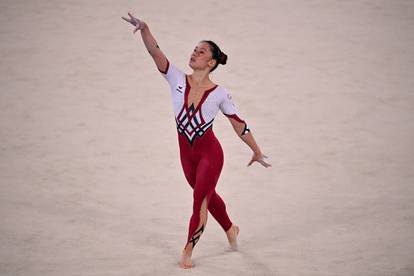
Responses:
[217,54]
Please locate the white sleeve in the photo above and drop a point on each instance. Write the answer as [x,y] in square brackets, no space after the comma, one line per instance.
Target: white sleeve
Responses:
[228,108]
[172,74]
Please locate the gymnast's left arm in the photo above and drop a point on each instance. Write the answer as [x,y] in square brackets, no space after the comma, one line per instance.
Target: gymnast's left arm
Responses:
[240,127]
[245,134]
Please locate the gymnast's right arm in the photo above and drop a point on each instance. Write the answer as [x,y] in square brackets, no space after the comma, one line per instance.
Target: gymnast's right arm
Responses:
[150,43]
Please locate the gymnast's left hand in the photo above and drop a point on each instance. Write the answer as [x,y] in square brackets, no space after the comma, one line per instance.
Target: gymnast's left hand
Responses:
[259,157]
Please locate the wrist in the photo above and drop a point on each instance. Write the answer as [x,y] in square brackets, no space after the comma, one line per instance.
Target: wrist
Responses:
[257,152]
[144,26]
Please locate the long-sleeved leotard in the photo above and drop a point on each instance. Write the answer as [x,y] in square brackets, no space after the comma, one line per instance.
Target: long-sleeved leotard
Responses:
[201,154]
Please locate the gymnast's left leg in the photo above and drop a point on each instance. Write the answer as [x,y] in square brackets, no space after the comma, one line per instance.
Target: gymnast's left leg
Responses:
[217,208]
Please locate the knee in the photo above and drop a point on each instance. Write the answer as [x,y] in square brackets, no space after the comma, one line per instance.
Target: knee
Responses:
[197,204]
[200,198]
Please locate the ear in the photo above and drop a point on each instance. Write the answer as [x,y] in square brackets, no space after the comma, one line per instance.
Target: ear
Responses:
[211,63]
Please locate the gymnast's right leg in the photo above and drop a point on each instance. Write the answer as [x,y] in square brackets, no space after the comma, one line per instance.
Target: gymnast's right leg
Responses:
[201,194]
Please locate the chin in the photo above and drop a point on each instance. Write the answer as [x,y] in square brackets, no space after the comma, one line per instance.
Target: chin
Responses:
[191,64]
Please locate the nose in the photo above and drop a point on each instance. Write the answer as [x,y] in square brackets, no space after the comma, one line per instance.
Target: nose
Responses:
[195,53]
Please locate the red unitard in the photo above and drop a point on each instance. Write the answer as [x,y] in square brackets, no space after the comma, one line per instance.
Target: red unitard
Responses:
[201,154]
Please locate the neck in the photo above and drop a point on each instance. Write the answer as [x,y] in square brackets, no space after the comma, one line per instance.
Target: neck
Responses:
[200,77]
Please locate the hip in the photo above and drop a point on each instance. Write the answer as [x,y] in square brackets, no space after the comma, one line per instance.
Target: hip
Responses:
[205,145]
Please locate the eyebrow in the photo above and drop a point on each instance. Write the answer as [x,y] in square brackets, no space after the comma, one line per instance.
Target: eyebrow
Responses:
[202,48]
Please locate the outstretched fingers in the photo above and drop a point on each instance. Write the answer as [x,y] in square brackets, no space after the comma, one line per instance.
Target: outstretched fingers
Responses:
[127,20]
[133,20]
[264,163]
[139,25]
[260,160]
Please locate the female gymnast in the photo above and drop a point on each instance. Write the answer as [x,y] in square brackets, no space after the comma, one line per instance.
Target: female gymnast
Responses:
[196,101]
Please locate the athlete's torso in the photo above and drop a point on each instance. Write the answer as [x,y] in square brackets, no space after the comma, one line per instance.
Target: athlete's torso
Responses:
[194,123]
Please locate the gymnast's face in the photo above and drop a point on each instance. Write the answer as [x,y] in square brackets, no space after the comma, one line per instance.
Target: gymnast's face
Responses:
[201,58]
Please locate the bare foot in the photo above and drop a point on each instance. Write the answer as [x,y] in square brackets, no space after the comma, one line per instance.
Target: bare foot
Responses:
[185,260]
[232,234]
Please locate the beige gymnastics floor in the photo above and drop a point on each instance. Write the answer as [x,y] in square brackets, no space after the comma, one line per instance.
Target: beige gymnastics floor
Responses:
[90,179]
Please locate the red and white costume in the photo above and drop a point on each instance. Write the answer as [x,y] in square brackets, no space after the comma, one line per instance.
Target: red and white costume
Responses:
[200,152]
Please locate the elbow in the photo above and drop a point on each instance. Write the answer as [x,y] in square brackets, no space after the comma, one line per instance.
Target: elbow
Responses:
[242,130]
[245,130]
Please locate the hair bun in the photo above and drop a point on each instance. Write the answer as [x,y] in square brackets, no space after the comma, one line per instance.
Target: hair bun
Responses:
[222,58]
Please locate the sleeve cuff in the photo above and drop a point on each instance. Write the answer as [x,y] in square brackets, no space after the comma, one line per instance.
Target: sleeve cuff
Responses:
[166,69]
[235,117]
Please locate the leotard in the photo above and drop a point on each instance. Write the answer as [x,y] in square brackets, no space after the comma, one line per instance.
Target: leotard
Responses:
[201,154]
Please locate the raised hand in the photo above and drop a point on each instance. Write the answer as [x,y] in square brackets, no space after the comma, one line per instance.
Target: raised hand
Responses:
[139,24]
[258,157]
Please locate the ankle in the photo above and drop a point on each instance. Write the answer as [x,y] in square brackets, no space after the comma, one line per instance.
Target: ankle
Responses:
[231,229]
[188,250]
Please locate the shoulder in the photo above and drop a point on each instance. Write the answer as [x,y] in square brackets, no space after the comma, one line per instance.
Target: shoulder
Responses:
[172,73]
[224,93]
[175,68]
[171,69]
